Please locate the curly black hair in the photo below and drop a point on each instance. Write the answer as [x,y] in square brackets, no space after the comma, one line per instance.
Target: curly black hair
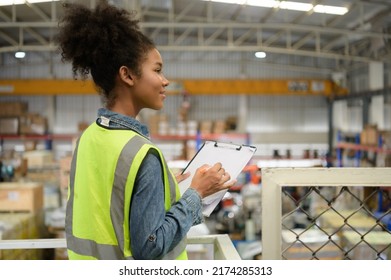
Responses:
[99,41]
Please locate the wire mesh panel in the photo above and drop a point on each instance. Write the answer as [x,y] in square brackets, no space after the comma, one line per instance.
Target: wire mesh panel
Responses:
[326,213]
[336,223]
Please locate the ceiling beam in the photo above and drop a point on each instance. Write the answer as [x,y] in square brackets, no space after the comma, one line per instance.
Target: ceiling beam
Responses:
[265,26]
[38,11]
[8,38]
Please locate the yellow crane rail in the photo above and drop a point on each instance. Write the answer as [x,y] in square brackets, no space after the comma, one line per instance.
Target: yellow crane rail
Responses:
[189,86]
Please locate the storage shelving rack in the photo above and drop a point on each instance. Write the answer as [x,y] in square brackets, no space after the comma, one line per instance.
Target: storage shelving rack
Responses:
[358,148]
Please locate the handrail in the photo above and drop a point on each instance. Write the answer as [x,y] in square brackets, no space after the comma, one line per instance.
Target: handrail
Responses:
[223,247]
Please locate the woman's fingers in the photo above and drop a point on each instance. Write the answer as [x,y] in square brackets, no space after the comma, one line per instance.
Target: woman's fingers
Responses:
[180,177]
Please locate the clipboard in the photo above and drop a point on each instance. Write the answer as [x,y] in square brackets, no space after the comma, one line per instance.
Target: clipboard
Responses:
[233,158]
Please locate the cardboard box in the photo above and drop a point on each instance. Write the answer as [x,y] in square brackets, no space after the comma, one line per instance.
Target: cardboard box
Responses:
[65,167]
[370,135]
[15,197]
[9,125]
[33,124]
[206,126]
[81,126]
[154,123]
[38,159]
[13,109]
[219,126]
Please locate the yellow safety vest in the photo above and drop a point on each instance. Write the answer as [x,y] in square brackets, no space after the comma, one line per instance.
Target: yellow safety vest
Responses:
[103,171]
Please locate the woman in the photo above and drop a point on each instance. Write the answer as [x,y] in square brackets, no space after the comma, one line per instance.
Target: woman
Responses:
[123,201]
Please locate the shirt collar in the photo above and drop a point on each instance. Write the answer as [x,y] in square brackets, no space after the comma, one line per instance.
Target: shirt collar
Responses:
[115,120]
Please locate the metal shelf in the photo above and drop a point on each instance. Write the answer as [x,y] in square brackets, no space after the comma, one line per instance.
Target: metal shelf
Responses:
[37,137]
[358,147]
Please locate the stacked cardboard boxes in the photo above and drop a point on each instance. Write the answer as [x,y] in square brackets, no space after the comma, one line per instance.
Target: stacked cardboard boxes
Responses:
[10,112]
[13,109]
[15,119]
[33,124]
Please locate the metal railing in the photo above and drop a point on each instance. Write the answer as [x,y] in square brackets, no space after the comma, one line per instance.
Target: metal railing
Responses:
[223,249]
[342,231]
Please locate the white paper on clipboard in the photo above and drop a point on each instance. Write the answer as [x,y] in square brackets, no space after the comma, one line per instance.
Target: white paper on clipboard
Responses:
[233,158]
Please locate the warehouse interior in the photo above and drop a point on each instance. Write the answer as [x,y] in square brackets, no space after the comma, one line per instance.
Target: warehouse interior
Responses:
[305,82]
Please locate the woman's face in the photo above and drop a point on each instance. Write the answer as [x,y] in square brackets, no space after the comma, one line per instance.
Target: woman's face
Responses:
[149,88]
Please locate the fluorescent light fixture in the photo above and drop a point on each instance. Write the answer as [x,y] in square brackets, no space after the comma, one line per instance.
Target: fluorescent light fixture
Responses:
[239,2]
[20,54]
[20,2]
[333,10]
[263,3]
[288,5]
[295,6]
[260,54]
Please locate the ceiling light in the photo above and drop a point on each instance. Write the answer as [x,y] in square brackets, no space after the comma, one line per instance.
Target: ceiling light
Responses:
[288,5]
[240,2]
[263,3]
[20,54]
[333,10]
[296,6]
[260,54]
[19,2]
[11,2]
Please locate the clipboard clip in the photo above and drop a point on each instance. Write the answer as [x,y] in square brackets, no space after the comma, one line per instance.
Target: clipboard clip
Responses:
[228,145]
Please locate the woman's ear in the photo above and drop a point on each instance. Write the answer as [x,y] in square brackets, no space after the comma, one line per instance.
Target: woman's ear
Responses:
[126,76]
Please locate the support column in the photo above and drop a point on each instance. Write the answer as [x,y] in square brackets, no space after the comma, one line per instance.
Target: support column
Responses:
[377,111]
[330,126]
[376,82]
[242,113]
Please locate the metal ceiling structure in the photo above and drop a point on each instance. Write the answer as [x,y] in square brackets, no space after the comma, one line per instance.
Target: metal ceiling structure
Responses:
[317,40]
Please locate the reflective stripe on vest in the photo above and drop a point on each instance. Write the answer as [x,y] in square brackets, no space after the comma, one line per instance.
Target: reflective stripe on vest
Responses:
[88,247]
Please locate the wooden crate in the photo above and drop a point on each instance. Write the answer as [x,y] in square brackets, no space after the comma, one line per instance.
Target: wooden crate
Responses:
[19,197]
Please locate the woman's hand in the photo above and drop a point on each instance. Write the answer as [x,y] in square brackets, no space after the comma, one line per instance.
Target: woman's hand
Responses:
[210,179]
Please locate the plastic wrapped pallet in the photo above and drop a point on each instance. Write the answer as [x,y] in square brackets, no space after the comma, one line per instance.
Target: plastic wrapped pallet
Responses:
[20,226]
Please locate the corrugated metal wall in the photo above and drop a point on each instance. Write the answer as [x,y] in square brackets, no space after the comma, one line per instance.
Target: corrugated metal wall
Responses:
[72,110]
[287,113]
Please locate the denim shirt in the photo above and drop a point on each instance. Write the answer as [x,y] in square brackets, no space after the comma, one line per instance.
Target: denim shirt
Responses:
[154,232]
